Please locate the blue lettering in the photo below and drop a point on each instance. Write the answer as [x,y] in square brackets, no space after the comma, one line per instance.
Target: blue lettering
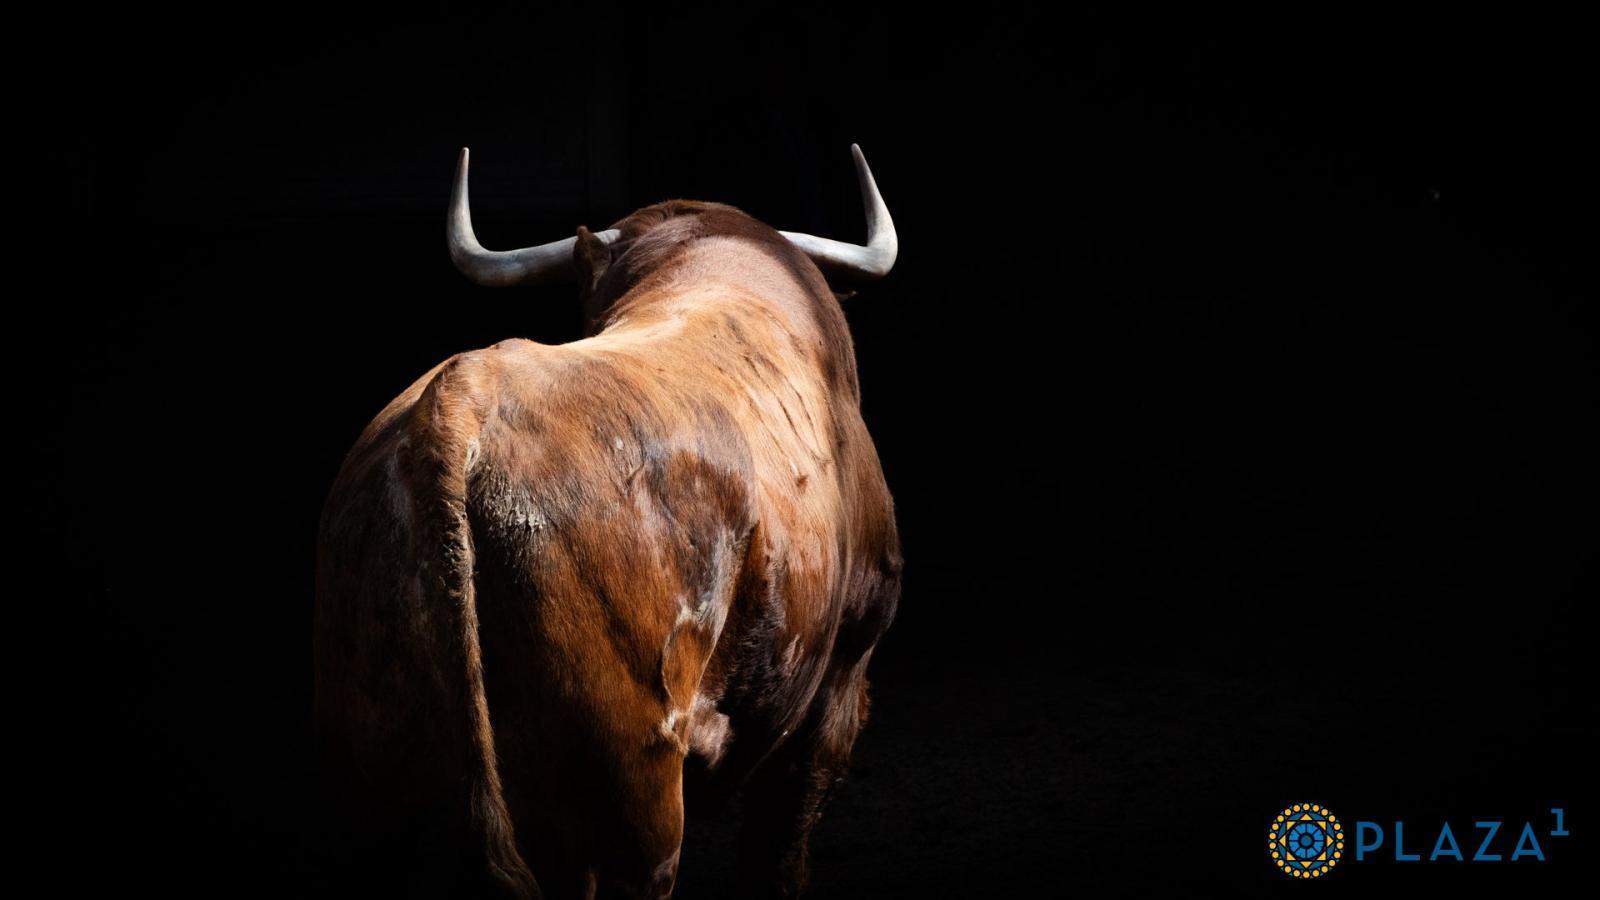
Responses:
[1481,856]
[1361,838]
[1561,822]
[1445,834]
[1400,854]
[1522,842]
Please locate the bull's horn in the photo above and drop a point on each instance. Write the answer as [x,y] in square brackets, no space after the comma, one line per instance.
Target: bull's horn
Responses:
[877,257]
[494,268]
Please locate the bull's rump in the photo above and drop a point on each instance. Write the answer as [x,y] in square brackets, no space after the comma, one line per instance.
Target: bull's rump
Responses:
[511,612]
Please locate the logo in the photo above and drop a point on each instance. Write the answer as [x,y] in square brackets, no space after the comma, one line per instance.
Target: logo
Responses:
[1306,840]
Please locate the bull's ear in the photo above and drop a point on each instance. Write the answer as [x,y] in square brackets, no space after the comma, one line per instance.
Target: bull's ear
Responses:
[592,257]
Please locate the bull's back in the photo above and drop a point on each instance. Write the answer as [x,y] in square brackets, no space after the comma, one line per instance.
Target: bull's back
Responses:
[611,521]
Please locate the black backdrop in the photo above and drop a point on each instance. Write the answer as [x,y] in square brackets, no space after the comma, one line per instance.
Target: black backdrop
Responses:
[1234,386]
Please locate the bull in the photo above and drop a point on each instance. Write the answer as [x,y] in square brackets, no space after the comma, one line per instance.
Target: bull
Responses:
[561,587]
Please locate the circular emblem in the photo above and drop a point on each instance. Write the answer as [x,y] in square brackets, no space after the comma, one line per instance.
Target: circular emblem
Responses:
[1306,840]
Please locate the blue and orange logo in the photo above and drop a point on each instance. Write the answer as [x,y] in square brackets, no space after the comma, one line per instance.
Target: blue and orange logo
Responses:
[1306,840]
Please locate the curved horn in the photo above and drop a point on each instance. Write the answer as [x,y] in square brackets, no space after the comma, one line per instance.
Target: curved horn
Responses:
[495,268]
[877,257]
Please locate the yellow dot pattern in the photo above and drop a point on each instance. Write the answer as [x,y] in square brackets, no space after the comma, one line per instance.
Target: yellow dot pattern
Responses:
[1302,862]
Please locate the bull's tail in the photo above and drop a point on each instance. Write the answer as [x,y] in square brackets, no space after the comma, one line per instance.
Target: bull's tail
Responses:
[444,444]
[488,817]
[406,744]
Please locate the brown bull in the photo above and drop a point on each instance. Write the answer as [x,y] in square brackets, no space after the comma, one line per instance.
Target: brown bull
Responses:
[558,585]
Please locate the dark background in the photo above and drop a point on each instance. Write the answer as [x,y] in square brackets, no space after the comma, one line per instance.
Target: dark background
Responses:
[1234,384]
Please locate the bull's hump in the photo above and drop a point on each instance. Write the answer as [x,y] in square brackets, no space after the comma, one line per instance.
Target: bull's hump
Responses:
[580,421]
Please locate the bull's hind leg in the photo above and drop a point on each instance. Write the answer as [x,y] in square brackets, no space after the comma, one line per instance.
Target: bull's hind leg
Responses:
[637,844]
[787,794]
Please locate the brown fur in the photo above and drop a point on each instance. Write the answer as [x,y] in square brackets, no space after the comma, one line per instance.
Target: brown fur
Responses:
[556,581]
